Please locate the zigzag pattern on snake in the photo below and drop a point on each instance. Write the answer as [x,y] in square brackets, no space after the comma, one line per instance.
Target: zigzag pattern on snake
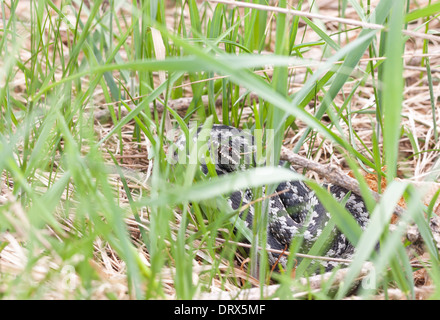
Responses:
[293,211]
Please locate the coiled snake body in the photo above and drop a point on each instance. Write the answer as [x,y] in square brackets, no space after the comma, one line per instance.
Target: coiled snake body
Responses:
[293,210]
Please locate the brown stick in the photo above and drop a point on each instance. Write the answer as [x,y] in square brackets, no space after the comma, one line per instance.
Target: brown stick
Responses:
[332,173]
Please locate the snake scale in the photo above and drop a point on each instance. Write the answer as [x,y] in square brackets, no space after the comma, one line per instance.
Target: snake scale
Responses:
[293,210]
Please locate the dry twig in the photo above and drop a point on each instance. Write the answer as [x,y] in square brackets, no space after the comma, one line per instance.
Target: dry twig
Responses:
[332,173]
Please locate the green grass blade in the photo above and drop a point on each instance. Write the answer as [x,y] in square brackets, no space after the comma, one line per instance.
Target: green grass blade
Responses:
[393,88]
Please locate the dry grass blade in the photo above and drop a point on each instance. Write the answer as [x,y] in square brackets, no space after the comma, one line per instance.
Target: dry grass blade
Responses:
[352,22]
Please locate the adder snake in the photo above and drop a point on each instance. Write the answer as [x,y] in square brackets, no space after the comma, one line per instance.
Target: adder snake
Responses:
[293,210]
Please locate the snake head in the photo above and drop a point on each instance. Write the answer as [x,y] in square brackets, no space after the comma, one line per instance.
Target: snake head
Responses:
[234,150]
[228,148]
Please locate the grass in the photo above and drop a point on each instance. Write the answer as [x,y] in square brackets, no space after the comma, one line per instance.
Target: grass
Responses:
[361,95]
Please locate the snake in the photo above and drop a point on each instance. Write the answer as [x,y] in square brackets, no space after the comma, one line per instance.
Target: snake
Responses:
[294,210]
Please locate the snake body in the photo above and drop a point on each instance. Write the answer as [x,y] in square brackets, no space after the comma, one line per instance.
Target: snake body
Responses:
[293,210]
